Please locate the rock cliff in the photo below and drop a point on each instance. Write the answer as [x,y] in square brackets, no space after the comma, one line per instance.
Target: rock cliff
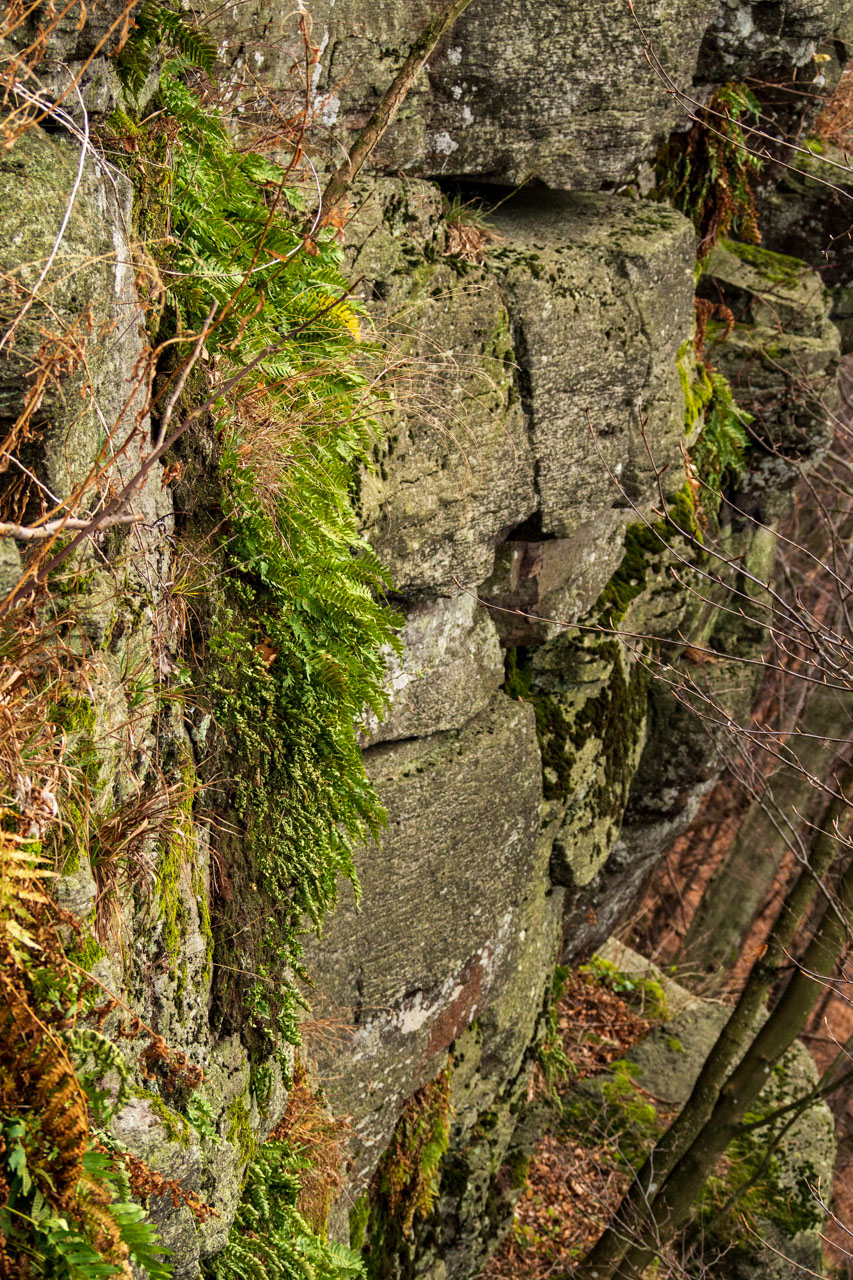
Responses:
[527,495]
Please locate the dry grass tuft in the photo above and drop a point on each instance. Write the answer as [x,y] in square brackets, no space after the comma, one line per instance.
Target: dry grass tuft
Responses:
[835,122]
[318,1141]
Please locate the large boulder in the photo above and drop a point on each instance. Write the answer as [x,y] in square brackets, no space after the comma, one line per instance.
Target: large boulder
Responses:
[514,91]
[558,358]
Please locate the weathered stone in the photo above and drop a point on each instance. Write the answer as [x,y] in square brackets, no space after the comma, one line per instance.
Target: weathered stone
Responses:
[10,567]
[782,355]
[807,215]
[490,1135]
[85,327]
[536,587]
[600,293]
[747,37]
[513,91]
[442,924]
[161,1136]
[591,708]
[454,473]
[449,669]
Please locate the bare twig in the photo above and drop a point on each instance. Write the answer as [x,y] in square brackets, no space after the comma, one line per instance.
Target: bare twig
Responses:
[389,105]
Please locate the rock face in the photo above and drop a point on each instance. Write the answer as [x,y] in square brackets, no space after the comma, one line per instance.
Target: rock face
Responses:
[744,37]
[531,770]
[445,904]
[86,336]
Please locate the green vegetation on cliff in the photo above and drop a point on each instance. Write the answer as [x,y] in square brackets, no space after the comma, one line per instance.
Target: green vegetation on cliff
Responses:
[296,644]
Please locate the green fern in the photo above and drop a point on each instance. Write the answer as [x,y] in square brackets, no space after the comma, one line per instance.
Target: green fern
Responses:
[707,173]
[160,27]
[270,1239]
[719,455]
[304,581]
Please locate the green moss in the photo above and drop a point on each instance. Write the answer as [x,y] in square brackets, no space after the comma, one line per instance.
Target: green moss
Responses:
[644,546]
[406,1181]
[240,1129]
[696,386]
[612,1113]
[204,923]
[614,717]
[176,1126]
[778,268]
[638,989]
[176,870]
[86,952]
[359,1222]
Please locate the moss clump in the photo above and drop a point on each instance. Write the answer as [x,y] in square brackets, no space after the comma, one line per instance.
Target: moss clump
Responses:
[638,988]
[359,1221]
[86,951]
[240,1129]
[176,864]
[176,1126]
[615,717]
[778,268]
[554,726]
[696,386]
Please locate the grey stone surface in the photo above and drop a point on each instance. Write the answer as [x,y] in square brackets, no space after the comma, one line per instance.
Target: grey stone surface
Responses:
[491,1134]
[747,36]
[514,90]
[600,293]
[488,472]
[807,214]
[589,297]
[536,587]
[86,325]
[454,472]
[442,927]
[450,667]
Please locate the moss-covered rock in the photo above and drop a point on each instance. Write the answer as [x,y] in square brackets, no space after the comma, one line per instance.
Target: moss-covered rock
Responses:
[454,472]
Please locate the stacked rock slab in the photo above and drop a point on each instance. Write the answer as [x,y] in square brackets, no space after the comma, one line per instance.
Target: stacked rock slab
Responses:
[554,362]
[543,397]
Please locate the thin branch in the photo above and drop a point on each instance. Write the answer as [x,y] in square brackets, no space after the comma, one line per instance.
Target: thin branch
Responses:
[389,105]
[32,532]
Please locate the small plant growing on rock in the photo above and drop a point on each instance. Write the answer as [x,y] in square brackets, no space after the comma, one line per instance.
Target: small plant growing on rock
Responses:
[469,235]
[707,173]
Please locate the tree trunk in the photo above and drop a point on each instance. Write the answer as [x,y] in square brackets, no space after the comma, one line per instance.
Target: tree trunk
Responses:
[671,1206]
[634,1218]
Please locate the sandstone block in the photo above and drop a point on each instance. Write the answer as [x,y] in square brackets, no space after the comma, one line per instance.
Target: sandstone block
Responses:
[445,901]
